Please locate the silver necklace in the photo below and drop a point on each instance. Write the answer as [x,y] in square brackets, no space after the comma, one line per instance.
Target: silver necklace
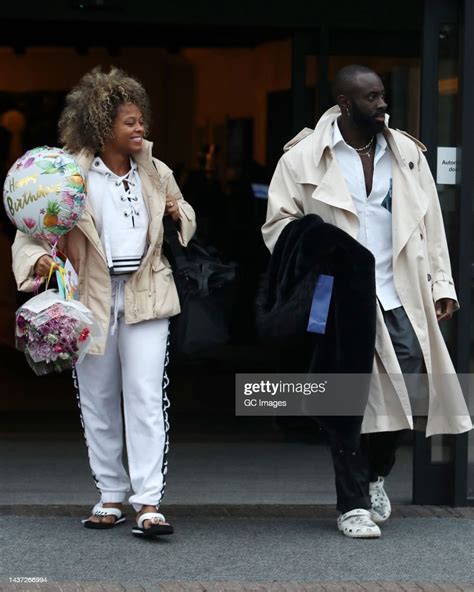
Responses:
[366,153]
[367,146]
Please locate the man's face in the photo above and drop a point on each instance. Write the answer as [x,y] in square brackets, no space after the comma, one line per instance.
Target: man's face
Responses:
[367,103]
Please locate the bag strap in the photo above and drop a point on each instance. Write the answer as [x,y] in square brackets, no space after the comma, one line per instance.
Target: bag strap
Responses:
[178,253]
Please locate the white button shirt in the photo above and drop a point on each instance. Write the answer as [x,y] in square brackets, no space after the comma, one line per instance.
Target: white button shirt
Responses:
[374,211]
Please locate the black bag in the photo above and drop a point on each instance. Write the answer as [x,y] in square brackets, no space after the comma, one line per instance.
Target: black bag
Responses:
[206,287]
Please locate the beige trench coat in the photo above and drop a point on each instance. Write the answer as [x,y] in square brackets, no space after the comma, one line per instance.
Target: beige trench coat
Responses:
[308,180]
[150,293]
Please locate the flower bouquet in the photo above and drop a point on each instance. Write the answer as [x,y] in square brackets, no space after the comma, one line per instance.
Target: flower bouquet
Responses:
[54,334]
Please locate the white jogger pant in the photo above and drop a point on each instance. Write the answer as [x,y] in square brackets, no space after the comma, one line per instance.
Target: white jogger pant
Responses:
[134,365]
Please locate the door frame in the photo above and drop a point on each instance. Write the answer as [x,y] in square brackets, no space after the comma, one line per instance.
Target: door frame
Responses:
[446,483]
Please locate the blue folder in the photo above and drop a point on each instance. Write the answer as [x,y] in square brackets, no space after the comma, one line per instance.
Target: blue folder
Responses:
[318,315]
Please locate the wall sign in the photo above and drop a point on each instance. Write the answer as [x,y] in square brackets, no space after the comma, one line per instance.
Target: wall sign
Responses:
[449,165]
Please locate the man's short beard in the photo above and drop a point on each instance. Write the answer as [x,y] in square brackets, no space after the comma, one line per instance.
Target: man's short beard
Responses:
[367,122]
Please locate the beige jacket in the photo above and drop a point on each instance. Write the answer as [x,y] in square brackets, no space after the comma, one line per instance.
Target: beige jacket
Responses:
[150,293]
[308,180]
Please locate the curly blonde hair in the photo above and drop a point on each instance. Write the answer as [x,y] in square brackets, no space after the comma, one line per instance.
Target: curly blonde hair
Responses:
[91,107]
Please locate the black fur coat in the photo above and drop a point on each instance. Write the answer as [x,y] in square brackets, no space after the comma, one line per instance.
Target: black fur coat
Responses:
[307,247]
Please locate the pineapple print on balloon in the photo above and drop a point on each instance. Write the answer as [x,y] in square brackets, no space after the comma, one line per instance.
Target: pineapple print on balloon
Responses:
[77,182]
[55,163]
[52,212]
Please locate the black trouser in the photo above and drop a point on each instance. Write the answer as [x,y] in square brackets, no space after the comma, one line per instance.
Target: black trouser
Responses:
[360,459]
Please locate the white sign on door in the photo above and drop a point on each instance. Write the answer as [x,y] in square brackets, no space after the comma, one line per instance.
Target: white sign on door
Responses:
[449,165]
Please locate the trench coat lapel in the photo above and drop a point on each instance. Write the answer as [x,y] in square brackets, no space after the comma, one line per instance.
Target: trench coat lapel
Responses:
[332,191]
[319,168]
[409,201]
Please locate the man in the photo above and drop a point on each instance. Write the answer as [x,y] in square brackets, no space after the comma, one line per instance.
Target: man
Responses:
[374,183]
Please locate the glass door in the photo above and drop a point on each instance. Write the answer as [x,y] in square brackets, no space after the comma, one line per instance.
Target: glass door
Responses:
[441,462]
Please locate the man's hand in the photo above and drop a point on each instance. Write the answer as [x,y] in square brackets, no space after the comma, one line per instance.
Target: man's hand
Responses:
[43,265]
[444,309]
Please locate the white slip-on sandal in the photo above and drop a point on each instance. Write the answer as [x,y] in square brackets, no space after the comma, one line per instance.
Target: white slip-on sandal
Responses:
[158,527]
[357,524]
[381,506]
[100,511]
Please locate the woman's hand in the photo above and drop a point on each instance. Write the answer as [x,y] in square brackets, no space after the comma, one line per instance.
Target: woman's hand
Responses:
[43,265]
[172,208]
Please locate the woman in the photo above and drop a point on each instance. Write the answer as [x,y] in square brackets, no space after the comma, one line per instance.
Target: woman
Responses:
[126,281]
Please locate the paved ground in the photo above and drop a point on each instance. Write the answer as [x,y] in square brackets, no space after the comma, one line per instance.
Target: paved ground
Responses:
[55,470]
[226,548]
[254,528]
[380,586]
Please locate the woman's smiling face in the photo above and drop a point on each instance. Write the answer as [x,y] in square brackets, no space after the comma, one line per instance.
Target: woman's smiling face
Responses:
[128,130]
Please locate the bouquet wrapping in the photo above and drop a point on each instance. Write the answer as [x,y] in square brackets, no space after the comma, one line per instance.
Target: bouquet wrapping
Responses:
[54,334]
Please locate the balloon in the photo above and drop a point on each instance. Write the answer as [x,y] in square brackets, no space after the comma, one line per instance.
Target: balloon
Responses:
[45,193]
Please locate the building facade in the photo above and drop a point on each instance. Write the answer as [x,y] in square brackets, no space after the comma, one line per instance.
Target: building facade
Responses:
[247,76]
